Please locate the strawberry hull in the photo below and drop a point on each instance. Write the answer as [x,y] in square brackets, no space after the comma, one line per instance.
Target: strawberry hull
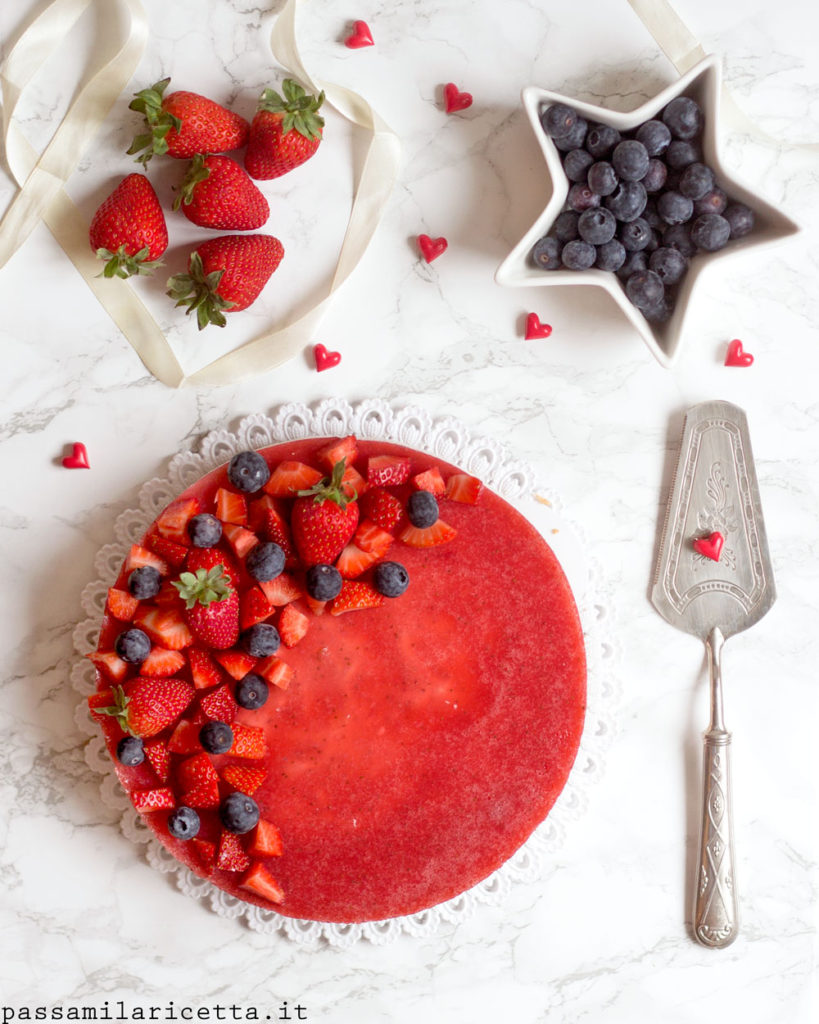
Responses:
[419,743]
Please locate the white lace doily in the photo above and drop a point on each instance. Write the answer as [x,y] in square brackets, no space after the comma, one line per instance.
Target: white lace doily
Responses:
[451,441]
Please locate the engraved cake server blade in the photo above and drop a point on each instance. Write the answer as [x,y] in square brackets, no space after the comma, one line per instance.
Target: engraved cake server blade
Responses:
[715,490]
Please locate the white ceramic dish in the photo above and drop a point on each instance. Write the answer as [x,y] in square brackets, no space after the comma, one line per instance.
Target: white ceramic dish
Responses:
[702,83]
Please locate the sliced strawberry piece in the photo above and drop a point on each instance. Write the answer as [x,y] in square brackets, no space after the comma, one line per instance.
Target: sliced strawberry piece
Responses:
[430,480]
[173,520]
[257,509]
[382,508]
[237,664]
[439,533]
[169,595]
[206,795]
[388,470]
[258,880]
[231,507]
[139,556]
[316,607]
[354,596]
[275,671]
[161,662]
[282,590]
[372,538]
[205,853]
[253,607]
[109,664]
[293,624]
[337,449]
[275,528]
[464,488]
[165,626]
[353,483]
[159,758]
[100,699]
[231,855]
[168,550]
[219,704]
[204,670]
[290,477]
[241,540]
[185,738]
[147,801]
[121,604]
[266,840]
[353,561]
[196,771]
[248,742]
[244,778]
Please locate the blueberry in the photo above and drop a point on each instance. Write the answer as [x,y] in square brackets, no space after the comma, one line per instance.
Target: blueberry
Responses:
[265,562]
[574,138]
[628,200]
[711,232]
[696,181]
[216,737]
[565,226]
[669,264]
[390,579]
[634,261]
[582,198]
[145,582]
[645,289]
[602,178]
[260,640]
[674,208]
[678,236]
[248,472]
[658,313]
[239,813]
[251,691]
[576,163]
[680,154]
[714,201]
[183,823]
[652,218]
[597,226]
[610,255]
[601,140]
[636,234]
[740,219]
[630,160]
[546,253]
[656,176]
[558,119]
[422,509]
[578,255]
[204,530]
[133,646]
[684,117]
[655,136]
[130,751]
[323,582]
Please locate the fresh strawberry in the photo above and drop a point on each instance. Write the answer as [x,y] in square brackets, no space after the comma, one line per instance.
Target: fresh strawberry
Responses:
[288,478]
[292,626]
[185,737]
[266,840]
[121,604]
[253,607]
[244,778]
[219,704]
[323,519]
[145,706]
[159,758]
[248,742]
[205,852]
[211,606]
[139,556]
[353,483]
[387,470]
[182,124]
[231,855]
[372,538]
[209,558]
[242,541]
[169,550]
[237,664]
[282,590]
[354,596]
[172,521]
[259,881]
[275,671]
[204,671]
[198,781]
[430,480]
[231,507]
[225,274]
[147,801]
[464,488]
[429,537]
[109,664]
[217,193]
[383,508]
[285,131]
[128,230]
[161,662]
[353,561]
[165,626]
[336,450]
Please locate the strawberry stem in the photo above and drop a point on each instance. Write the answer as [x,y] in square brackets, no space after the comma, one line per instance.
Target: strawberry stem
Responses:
[119,709]
[299,108]
[329,488]
[199,292]
[205,586]
[121,264]
[196,174]
[158,121]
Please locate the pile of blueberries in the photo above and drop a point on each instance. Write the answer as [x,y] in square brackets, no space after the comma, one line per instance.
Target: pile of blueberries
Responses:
[640,205]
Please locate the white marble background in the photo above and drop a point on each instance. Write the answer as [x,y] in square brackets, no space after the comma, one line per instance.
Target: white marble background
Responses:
[602,936]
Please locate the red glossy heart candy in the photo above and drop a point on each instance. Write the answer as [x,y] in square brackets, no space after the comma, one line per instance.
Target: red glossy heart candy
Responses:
[78,459]
[710,546]
[737,356]
[536,329]
[360,36]
[454,99]
[325,359]
[431,248]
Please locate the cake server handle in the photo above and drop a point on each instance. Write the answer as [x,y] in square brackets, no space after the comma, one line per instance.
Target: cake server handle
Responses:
[715,903]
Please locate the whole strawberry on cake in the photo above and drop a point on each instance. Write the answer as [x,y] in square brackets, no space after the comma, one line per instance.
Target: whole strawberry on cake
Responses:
[342,680]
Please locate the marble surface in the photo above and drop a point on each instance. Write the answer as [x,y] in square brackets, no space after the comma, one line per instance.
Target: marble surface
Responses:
[603,935]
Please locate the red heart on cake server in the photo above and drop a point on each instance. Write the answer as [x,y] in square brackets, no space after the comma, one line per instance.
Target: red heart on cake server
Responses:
[431,248]
[711,546]
[454,99]
[737,356]
[325,359]
[535,329]
[78,459]
[360,36]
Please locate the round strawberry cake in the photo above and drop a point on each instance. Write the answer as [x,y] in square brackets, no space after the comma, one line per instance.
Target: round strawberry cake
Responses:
[340,679]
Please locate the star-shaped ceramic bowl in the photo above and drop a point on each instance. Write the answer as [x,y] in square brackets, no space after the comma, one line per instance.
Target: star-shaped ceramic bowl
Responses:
[703,84]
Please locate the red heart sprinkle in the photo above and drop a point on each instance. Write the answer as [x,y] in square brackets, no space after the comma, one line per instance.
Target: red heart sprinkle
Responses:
[737,356]
[78,459]
[325,360]
[360,36]
[711,546]
[431,248]
[535,329]
[454,99]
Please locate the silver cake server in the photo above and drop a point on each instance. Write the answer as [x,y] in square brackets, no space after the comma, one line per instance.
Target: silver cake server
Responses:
[715,492]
